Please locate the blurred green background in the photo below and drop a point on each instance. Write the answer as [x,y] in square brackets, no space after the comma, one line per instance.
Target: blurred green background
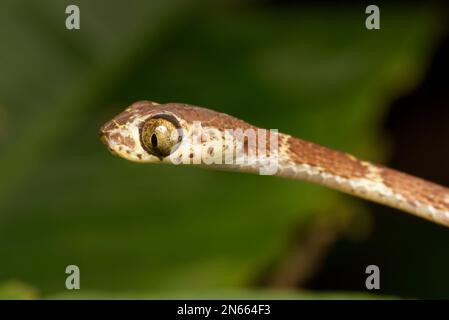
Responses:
[150,231]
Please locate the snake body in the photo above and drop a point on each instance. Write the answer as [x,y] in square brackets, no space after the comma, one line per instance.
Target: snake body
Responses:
[144,133]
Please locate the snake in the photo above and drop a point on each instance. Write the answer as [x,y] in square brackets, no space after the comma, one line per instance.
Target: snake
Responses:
[178,133]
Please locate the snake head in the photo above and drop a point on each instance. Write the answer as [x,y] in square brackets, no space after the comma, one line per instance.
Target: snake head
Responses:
[144,132]
[176,133]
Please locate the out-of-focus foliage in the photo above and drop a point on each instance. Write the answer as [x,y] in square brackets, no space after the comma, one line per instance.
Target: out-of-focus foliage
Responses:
[314,72]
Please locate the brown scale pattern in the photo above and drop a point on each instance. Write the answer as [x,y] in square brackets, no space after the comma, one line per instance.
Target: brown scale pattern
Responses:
[123,140]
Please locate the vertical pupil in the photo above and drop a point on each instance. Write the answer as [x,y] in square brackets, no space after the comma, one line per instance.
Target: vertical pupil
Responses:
[154,140]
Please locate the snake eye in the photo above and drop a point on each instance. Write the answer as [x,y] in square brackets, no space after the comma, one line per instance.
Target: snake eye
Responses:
[159,136]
